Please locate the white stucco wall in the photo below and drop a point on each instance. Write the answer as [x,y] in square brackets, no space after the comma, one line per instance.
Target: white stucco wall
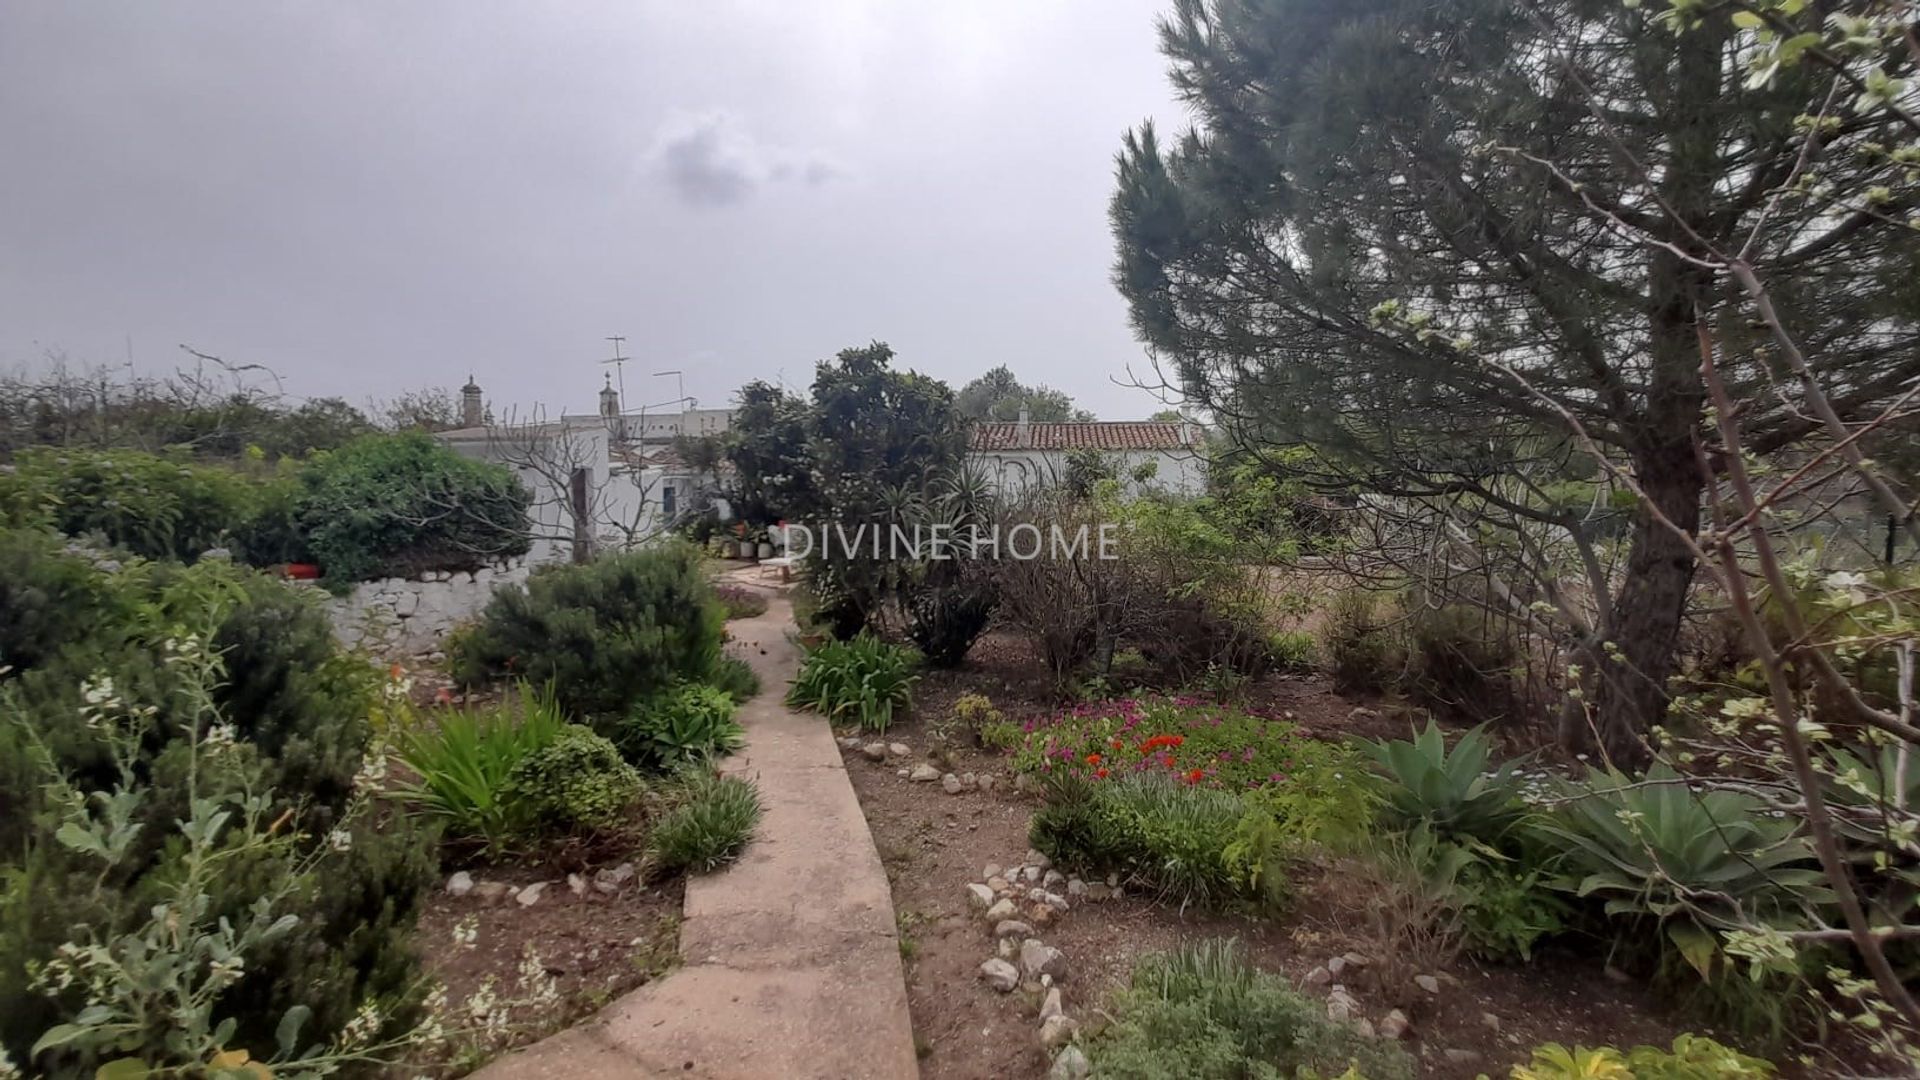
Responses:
[410,616]
[1177,472]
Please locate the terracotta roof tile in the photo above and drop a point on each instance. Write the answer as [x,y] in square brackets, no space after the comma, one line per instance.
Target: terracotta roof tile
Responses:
[1098,435]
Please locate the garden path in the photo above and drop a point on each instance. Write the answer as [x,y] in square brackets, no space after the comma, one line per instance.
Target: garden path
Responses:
[790,960]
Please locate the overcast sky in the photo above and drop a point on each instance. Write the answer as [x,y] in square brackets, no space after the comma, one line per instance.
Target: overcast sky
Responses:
[374,196]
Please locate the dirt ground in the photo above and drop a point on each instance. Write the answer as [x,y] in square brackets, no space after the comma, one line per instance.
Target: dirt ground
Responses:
[933,844]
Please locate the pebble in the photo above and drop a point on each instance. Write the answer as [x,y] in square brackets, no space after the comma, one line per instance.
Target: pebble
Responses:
[969,781]
[577,884]
[1038,958]
[1363,713]
[1070,1065]
[609,881]
[950,784]
[1056,1031]
[1001,911]
[1491,1020]
[530,895]
[848,742]
[979,897]
[460,884]
[1097,892]
[1034,858]
[1336,965]
[1461,1057]
[1007,948]
[1354,959]
[1051,1006]
[1012,928]
[1076,888]
[1030,874]
[1364,1026]
[998,884]
[992,871]
[492,890]
[1394,1025]
[1428,983]
[1319,976]
[987,781]
[1055,901]
[1000,975]
[899,749]
[924,773]
[1053,879]
[902,774]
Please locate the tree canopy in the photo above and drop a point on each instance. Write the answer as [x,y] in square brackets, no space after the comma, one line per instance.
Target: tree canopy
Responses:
[998,395]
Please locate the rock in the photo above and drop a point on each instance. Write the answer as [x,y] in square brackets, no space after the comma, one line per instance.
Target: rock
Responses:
[1030,874]
[979,897]
[1461,1057]
[1001,911]
[1336,965]
[1098,892]
[1055,901]
[1034,858]
[1050,1007]
[992,871]
[530,895]
[1319,976]
[1616,974]
[998,884]
[1394,1025]
[1363,713]
[1000,975]
[969,781]
[1012,928]
[611,881]
[1056,1031]
[1007,948]
[924,773]
[1042,915]
[1428,983]
[577,884]
[899,749]
[950,784]
[460,884]
[1070,1065]
[1364,1026]
[987,781]
[903,774]
[874,751]
[1491,1020]
[1339,1009]
[1354,959]
[1076,889]
[1053,879]
[492,891]
[1038,958]
[1037,895]
[848,742]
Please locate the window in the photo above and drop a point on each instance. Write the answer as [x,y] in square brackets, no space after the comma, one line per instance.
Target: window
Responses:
[666,499]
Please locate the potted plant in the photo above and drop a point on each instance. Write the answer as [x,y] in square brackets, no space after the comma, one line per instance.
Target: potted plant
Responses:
[762,543]
[745,543]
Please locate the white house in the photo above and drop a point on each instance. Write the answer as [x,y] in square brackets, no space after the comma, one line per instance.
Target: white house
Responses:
[1024,454]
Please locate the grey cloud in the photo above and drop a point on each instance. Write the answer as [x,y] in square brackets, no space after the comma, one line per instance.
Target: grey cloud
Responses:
[712,159]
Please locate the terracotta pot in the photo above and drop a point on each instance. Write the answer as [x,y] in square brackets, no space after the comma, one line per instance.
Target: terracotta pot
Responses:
[303,571]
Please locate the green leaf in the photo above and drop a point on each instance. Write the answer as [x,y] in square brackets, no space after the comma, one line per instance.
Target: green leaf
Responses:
[1747,20]
[58,1035]
[123,1069]
[80,839]
[1696,945]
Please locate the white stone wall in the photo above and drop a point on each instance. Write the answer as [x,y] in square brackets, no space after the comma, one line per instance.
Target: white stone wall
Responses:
[402,616]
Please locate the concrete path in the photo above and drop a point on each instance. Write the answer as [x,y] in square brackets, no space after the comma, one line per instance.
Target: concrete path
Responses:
[791,966]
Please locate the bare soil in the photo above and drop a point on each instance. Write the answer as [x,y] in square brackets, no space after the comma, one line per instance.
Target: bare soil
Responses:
[933,844]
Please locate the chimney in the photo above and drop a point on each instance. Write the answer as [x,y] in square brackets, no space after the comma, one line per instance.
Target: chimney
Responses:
[609,401]
[1024,430]
[473,412]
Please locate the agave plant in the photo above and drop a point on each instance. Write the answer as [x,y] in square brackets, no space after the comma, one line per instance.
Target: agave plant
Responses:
[1454,794]
[1693,859]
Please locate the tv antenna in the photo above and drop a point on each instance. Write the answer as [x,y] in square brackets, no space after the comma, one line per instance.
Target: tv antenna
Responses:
[619,368]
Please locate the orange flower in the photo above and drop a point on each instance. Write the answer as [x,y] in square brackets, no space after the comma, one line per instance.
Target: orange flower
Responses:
[1194,776]
[1093,759]
[1101,773]
[396,672]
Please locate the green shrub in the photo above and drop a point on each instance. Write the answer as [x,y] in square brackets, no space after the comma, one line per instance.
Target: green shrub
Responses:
[271,533]
[1690,862]
[157,507]
[463,761]
[1359,650]
[1293,650]
[605,634]
[864,680]
[734,677]
[51,597]
[710,827]
[945,620]
[1693,1057]
[688,723]
[1455,793]
[393,505]
[1458,659]
[1204,1013]
[1506,911]
[576,783]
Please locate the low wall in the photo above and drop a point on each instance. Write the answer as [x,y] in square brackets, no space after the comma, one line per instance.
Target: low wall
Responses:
[410,616]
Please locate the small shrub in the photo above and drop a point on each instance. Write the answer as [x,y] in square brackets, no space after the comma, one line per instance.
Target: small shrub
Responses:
[156,507]
[397,504]
[739,601]
[975,715]
[1507,911]
[1293,650]
[1356,644]
[1693,1057]
[689,723]
[864,680]
[463,762]
[1204,1013]
[1458,660]
[605,634]
[734,677]
[709,828]
[945,620]
[576,783]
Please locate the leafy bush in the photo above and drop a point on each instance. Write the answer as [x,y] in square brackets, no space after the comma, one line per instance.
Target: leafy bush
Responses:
[977,716]
[739,601]
[709,828]
[157,507]
[605,634]
[464,760]
[1506,911]
[687,723]
[945,620]
[576,783]
[734,677]
[396,504]
[863,679]
[1204,1013]
[1693,1057]
[1690,861]
[1457,659]
[1360,652]
[1453,793]
[52,596]
[1293,650]
[1316,790]
[271,533]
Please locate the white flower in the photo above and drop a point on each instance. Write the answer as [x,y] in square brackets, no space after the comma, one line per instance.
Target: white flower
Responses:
[466,931]
[340,840]
[221,735]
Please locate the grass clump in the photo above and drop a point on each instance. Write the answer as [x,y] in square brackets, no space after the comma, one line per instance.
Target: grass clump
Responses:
[689,723]
[711,826]
[864,680]
[1205,1013]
